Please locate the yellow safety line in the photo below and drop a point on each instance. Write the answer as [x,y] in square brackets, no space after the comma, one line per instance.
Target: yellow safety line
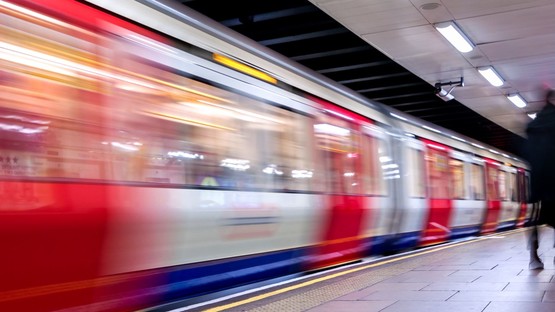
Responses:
[331,276]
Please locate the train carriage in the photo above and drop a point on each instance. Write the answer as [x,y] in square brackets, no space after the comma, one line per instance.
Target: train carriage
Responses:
[156,160]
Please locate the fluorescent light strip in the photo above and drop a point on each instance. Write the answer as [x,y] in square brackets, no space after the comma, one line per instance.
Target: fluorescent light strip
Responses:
[431,129]
[339,114]
[491,75]
[456,37]
[458,139]
[517,100]
[533,115]
[397,116]
[436,146]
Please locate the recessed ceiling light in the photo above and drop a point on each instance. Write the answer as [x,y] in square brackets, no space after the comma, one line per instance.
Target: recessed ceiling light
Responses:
[455,36]
[517,100]
[491,75]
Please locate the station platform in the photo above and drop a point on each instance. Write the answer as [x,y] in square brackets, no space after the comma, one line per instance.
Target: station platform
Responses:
[487,274]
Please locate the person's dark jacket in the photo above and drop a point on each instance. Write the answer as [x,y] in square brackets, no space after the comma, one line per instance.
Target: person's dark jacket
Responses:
[540,153]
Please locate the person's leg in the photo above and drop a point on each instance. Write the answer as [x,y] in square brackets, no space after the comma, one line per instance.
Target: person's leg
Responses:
[535,261]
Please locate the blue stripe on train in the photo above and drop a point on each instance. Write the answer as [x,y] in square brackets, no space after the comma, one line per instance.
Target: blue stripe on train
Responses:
[392,243]
[507,225]
[194,280]
[462,232]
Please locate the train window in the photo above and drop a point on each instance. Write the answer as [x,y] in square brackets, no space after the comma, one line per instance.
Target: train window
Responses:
[416,184]
[388,169]
[438,174]
[477,182]
[283,151]
[338,146]
[492,183]
[513,195]
[49,113]
[503,185]
[189,132]
[373,152]
[456,167]
[527,191]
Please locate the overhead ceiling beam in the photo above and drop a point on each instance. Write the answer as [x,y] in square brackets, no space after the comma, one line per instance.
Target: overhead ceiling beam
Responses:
[300,37]
[352,67]
[330,53]
[270,15]
[399,96]
[392,87]
[373,77]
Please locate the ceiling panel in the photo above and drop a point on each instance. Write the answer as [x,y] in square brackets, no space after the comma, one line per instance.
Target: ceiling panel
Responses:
[385,15]
[469,8]
[529,47]
[422,49]
[509,25]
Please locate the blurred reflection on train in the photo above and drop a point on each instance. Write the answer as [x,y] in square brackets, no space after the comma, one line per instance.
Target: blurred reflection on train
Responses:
[137,168]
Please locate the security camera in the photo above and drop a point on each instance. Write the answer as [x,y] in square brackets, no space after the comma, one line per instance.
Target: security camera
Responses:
[446,94]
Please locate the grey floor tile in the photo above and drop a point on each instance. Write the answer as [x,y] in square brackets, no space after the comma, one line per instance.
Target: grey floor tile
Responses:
[410,295]
[537,272]
[358,306]
[357,295]
[429,306]
[476,286]
[469,296]
[520,307]
[517,278]
[549,296]
[429,277]
[516,286]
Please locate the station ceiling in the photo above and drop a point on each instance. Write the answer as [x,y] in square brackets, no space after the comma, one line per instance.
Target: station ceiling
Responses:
[384,65]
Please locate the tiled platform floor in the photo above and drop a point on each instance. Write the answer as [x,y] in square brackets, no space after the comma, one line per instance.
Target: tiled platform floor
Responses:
[489,274]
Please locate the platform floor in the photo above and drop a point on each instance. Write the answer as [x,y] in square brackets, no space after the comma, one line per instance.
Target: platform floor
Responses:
[488,274]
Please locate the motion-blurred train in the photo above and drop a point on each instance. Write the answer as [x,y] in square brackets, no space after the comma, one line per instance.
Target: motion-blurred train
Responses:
[148,154]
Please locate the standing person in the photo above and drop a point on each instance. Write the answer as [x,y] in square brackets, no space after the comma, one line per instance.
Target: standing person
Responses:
[541,156]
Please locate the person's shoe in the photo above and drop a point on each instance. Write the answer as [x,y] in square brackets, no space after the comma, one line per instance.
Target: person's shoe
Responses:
[536,264]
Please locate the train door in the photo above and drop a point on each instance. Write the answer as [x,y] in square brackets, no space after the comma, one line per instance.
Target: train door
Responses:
[436,229]
[509,209]
[476,198]
[412,211]
[493,203]
[338,141]
[378,170]
[467,211]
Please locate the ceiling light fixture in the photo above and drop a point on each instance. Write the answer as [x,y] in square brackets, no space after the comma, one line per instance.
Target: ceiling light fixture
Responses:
[456,37]
[517,100]
[491,75]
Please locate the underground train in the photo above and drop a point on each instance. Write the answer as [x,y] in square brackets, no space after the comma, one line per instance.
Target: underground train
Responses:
[149,155]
